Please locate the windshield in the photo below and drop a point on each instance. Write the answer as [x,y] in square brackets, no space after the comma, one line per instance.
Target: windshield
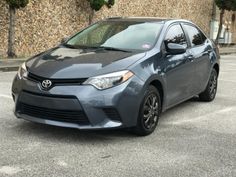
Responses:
[119,35]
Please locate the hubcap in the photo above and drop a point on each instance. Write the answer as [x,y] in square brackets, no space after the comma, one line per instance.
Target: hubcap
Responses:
[150,113]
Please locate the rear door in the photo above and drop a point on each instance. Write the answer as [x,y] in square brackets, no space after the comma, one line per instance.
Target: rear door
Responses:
[200,50]
[179,69]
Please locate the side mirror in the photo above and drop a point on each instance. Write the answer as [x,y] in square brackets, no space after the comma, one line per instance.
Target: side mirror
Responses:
[63,40]
[175,49]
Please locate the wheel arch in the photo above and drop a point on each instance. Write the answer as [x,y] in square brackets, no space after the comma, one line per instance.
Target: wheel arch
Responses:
[158,85]
[217,68]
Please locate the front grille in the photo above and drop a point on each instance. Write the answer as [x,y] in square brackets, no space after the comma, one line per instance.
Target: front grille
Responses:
[78,117]
[112,114]
[37,78]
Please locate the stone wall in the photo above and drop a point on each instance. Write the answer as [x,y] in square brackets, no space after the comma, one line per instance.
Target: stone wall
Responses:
[43,23]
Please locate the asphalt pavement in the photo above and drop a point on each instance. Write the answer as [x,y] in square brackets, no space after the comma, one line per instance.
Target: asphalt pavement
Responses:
[194,139]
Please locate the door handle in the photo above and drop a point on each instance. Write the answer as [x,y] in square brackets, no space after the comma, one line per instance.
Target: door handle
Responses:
[208,52]
[190,57]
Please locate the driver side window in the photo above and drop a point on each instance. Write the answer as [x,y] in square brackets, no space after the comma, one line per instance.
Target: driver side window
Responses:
[176,35]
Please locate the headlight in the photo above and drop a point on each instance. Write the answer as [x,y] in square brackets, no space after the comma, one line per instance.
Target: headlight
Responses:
[22,72]
[109,80]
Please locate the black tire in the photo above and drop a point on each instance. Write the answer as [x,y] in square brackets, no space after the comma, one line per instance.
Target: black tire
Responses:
[210,92]
[149,112]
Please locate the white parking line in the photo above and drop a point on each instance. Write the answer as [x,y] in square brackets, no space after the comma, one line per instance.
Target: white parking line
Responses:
[5,96]
[203,117]
[8,170]
[228,70]
[227,80]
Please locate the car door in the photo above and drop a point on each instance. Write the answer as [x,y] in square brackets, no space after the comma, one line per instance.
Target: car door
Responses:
[200,50]
[179,69]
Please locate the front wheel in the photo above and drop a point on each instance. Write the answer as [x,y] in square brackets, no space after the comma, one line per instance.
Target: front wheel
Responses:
[210,92]
[149,112]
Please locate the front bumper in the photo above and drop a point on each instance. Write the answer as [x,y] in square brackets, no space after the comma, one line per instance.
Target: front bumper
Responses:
[78,106]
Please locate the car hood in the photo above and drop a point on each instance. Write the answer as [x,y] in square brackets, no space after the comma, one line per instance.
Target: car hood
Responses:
[62,62]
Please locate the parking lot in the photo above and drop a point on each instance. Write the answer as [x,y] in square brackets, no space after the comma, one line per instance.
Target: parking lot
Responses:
[192,139]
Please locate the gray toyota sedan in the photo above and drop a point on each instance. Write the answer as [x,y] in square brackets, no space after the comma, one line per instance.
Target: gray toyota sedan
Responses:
[118,73]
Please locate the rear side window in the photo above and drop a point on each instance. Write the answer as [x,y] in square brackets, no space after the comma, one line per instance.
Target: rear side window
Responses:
[196,37]
[176,35]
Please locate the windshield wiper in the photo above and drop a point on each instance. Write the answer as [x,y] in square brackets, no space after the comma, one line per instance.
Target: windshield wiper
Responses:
[69,46]
[75,46]
[95,47]
[109,48]
[114,49]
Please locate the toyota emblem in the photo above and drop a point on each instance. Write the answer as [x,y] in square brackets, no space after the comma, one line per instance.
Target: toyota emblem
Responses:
[46,84]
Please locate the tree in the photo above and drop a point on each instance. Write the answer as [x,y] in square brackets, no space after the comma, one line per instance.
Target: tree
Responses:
[224,5]
[13,6]
[96,5]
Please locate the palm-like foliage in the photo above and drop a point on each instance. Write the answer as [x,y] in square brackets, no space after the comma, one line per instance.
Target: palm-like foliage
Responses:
[96,5]
[224,5]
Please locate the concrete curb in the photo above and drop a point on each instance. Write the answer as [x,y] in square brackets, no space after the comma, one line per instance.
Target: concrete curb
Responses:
[7,65]
[227,53]
[9,68]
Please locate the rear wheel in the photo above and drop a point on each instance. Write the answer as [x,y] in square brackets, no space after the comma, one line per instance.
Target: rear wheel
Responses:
[210,92]
[149,112]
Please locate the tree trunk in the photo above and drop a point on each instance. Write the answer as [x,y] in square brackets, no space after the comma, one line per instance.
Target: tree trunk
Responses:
[220,25]
[214,11]
[91,15]
[11,33]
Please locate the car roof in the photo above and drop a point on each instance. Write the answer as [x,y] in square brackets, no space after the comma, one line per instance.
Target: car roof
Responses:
[143,19]
[167,21]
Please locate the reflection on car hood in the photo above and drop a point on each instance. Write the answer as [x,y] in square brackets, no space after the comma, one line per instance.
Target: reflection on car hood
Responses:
[64,62]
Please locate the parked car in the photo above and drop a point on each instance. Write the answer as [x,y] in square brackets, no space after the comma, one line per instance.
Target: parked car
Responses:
[118,73]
